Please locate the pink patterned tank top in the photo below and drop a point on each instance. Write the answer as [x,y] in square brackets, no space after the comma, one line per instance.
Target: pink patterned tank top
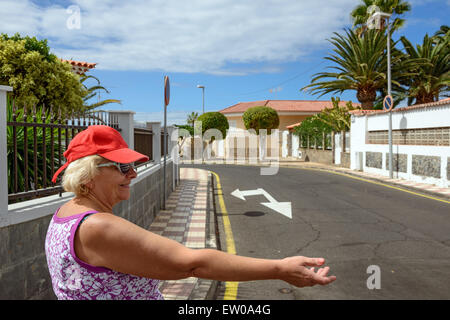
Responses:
[73,279]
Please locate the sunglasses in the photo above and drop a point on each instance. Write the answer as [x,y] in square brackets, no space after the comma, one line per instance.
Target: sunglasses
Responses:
[124,168]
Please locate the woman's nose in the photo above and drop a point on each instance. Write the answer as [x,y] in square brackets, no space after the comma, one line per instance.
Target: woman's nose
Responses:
[132,173]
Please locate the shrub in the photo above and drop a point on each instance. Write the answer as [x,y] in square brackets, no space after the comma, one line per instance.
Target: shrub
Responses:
[261,118]
[213,120]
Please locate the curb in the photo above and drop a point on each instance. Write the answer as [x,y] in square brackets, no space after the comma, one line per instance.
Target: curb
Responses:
[205,289]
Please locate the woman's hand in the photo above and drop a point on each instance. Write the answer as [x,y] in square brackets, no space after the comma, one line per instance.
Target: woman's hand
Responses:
[295,271]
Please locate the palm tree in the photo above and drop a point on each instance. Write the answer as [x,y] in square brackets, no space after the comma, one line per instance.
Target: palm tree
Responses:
[94,91]
[360,14]
[443,34]
[432,78]
[192,118]
[360,64]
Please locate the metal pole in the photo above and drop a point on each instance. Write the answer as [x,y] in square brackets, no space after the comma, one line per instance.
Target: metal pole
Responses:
[164,150]
[389,93]
[203,98]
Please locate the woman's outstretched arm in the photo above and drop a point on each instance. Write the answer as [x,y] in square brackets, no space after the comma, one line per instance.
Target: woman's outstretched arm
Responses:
[110,241]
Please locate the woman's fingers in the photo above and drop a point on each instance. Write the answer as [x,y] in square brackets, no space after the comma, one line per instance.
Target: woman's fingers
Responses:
[323,271]
[320,277]
[313,262]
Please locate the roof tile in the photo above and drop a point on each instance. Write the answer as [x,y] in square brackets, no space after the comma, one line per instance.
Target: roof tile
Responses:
[284,105]
[439,103]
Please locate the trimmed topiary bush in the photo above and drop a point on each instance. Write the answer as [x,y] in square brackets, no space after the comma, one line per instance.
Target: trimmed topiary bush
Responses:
[213,120]
[261,118]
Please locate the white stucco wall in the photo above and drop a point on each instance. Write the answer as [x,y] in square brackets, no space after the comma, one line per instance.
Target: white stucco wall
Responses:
[415,118]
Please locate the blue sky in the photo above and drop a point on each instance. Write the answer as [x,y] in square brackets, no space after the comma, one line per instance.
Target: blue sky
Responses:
[240,50]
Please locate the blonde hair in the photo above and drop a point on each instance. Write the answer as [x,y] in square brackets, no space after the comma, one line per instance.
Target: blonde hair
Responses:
[79,172]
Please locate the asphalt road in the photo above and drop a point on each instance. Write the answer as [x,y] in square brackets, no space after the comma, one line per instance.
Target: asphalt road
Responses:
[351,223]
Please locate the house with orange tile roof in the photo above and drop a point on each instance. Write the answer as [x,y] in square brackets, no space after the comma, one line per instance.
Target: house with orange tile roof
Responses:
[80,67]
[290,112]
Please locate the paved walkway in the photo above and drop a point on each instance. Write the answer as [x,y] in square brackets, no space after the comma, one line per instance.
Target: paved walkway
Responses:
[186,220]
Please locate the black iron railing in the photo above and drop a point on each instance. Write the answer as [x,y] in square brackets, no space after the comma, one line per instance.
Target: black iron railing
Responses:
[37,139]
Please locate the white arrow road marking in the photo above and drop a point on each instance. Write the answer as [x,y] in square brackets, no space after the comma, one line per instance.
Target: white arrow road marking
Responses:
[284,208]
[281,207]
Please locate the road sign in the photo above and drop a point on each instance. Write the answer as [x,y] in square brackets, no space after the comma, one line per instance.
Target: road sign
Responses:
[388,103]
[166,90]
[284,208]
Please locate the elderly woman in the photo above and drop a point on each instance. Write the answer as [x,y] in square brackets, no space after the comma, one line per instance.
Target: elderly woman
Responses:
[93,254]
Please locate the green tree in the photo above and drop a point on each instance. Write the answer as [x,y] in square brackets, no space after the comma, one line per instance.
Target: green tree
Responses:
[189,128]
[312,129]
[433,77]
[361,65]
[208,121]
[261,117]
[337,118]
[38,77]
[397,8]
[192,118]
[33,44]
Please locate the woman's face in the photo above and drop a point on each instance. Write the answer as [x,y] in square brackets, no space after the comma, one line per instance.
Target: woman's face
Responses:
[111,186]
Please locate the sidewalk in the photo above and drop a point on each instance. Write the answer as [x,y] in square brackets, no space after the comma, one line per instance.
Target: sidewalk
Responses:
[187,219]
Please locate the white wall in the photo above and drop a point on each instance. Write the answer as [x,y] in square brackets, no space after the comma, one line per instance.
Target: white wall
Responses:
[415,118]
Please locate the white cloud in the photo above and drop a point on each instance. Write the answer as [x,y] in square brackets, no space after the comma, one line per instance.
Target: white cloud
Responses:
[182,36]
[19,16]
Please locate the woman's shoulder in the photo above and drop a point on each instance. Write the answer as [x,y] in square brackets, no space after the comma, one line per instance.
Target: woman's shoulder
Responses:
[70,209]
[107,223]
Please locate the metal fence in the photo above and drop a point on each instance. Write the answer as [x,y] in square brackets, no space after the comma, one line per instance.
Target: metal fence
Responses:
[37,139]
[143,142]
[321,141]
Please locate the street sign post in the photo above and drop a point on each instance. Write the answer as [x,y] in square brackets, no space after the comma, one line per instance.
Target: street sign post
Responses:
[166,102]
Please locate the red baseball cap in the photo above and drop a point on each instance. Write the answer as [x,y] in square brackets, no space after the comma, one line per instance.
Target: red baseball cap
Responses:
[103,141]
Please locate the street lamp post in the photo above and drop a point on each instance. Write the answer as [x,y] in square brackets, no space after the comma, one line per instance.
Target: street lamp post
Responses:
[203,97]
[377,17]
[389,93]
